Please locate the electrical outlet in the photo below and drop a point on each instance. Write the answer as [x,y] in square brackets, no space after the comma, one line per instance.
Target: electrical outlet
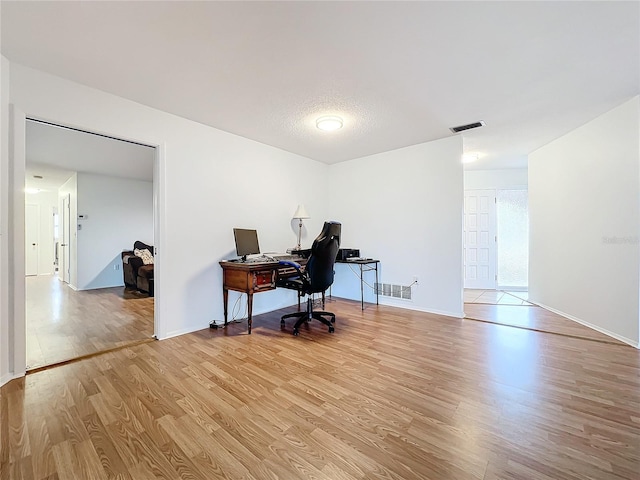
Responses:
[116,266]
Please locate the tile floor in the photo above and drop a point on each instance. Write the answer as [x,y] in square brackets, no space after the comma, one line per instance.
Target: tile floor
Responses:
[495,297]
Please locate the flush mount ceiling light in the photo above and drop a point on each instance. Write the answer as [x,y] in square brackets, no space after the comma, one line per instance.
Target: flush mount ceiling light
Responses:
[469,157]
[329,123]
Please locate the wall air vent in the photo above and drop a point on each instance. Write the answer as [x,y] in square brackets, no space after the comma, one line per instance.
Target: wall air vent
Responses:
[469,126]
[391,290]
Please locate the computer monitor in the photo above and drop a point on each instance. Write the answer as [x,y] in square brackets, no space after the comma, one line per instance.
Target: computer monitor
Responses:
[246,242]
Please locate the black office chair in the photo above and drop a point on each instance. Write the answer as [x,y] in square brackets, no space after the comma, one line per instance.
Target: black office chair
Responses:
[316,277]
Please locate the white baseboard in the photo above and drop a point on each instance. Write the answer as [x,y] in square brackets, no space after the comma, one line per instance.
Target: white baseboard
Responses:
[445,313]
[604,331]
[183,331]
[7,377]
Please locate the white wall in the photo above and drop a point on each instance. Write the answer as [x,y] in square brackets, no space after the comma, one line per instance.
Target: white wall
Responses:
[118,212]
[46,201]
[404,208]
[210,181]
[70,187]
[584,206]
[6,339]
[513,178]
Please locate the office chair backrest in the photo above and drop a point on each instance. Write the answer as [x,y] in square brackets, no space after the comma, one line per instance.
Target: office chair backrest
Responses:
[323,257]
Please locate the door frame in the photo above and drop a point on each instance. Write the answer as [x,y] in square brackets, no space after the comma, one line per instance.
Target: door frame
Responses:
[29,225]
[16,275]
[65,243]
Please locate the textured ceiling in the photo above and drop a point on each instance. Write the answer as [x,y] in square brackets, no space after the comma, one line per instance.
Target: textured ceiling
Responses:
[399,73]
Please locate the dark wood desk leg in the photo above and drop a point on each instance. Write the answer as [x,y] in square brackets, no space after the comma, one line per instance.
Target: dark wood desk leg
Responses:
[225,302]
[249,309]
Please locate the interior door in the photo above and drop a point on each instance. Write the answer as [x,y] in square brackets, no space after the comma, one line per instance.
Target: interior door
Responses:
[66,236]
[480,239]
[32,223]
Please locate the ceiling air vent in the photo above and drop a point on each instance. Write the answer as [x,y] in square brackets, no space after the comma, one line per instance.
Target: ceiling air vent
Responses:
[469,126]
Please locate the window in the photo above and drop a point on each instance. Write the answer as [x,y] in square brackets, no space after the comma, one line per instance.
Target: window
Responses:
[513,239]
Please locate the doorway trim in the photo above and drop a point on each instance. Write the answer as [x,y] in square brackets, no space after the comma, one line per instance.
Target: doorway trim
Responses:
[159,212]
[16,281]
[65,244]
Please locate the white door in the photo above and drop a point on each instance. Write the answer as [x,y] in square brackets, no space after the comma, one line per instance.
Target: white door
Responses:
[480,239]
[63,251]
[32,223]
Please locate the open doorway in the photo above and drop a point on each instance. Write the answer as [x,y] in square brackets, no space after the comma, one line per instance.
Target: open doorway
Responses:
[102,188]
[496,252]
[496,239]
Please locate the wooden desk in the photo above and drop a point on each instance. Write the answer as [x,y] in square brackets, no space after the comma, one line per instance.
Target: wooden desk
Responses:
[252,278]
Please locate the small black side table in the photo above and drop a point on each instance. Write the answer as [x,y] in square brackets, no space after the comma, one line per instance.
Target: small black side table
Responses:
[366,265]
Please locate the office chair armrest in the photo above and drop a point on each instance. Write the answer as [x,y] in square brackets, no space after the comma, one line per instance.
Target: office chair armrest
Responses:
[289,263]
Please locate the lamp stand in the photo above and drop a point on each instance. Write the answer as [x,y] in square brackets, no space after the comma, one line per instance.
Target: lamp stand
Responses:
[299,233]
[300,214]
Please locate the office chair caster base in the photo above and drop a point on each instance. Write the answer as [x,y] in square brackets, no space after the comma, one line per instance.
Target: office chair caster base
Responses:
[331,329]
[296,332]
[282,323]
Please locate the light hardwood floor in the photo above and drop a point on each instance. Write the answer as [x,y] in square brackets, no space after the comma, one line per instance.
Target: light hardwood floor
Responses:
[63,324]
[492,306]
[392,394]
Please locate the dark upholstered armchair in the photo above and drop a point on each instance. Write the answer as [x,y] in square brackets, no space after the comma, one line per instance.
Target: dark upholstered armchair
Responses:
[316,277]
[136,273]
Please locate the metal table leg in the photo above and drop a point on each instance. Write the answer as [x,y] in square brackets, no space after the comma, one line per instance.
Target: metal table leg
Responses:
[361,287]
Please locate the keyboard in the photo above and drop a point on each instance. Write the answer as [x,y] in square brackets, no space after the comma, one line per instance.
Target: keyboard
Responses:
[261,259]
[284,256]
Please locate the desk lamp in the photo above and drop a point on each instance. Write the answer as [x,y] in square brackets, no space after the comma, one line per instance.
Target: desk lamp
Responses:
[300,214]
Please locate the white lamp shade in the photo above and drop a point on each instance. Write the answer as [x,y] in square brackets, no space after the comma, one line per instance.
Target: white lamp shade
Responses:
[301,212]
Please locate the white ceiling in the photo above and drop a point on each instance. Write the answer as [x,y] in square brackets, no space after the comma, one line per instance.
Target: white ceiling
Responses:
[55,153]
[400,73]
